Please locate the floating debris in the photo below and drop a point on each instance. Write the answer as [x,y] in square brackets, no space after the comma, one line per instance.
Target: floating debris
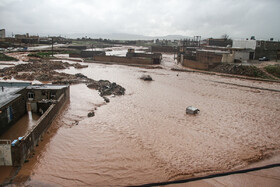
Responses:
[192,110]
[146,78]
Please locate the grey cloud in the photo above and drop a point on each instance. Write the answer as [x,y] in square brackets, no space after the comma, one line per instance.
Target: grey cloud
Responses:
[238,18]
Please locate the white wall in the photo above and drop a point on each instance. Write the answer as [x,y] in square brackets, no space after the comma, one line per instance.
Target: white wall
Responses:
[241,55]
[5,154]
[248,44]
[228,58]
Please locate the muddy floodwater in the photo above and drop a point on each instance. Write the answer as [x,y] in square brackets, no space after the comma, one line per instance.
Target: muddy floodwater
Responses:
[24,124]
[146,136]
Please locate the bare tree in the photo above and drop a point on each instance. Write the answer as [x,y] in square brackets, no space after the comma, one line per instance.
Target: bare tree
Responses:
[225,36]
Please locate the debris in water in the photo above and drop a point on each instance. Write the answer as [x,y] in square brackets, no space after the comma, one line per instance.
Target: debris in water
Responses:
[90,114]
[192,110]
[106,87]
[106,99]
[146,78]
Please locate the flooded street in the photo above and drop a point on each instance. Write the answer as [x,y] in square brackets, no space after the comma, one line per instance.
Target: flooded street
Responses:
[145,135]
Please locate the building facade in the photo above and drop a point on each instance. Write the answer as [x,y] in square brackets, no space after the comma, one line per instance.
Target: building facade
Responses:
[2,33]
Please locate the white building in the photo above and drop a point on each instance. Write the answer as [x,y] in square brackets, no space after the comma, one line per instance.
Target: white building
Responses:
[244,44]
[244,50]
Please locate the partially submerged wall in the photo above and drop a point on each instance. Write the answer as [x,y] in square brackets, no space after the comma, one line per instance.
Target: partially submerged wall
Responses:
[124,60]
[155,56]
[22,148]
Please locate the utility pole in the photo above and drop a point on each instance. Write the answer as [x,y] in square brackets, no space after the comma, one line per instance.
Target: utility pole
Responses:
[92,50]
[52,46]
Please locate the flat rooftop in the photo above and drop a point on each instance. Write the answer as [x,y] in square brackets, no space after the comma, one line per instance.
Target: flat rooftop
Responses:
[8,94]
[47,87]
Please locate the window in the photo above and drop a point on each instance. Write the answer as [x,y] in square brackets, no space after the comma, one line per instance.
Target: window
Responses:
[53,94]
[30,95]
[44,92]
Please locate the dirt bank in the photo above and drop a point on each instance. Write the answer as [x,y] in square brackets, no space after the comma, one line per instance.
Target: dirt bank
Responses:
[245,70]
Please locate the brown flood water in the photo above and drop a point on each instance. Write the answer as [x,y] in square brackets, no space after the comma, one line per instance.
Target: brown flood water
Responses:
[21,127]
[145,135]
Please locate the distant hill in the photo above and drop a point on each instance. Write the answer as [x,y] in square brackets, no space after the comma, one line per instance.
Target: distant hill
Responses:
[124,36]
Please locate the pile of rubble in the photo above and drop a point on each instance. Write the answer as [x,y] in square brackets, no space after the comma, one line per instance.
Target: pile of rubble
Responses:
[106,88]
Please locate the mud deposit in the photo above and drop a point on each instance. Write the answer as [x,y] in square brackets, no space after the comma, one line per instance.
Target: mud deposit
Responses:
[145,135]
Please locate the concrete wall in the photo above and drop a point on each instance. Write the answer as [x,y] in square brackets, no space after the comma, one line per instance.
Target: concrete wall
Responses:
[124,60]
[23,148]
[5,153]
[16,107]
[228,58]
[241,55]
[246,44]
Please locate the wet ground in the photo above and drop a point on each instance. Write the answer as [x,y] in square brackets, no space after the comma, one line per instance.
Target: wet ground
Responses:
[145,135]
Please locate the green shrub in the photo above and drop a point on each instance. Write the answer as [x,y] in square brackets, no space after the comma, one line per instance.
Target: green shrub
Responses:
[273,69]
[4,57]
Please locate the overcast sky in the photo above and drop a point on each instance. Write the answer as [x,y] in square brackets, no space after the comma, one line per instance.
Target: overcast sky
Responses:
[207,18]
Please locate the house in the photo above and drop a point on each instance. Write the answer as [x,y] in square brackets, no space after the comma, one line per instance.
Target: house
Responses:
[12,103]
[201,59]
[157,57]
[255,49]
[16,99]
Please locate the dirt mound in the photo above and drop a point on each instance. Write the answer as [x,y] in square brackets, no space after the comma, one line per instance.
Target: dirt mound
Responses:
[246,70]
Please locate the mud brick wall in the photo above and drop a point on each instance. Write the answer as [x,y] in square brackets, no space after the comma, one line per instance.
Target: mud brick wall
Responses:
[89,54]
[164,49]
[195,64]
[22,149]
[208,57]
[124,60]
